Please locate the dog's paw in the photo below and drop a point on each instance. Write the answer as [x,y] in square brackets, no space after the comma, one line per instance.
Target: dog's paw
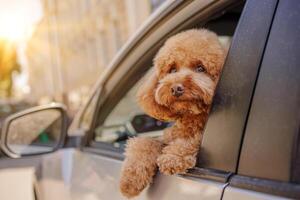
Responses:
[135,177]
[172,164]
[130,186]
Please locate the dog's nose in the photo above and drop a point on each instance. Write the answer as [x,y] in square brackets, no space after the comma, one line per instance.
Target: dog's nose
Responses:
[177,90]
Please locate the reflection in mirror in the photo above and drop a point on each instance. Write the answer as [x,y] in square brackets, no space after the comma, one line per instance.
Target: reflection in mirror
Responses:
[37,132]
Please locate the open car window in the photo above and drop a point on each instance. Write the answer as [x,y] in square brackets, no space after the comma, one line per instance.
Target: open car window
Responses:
[231,102]
[127,119]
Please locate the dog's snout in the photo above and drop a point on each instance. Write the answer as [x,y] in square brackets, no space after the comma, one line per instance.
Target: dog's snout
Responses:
[177,90]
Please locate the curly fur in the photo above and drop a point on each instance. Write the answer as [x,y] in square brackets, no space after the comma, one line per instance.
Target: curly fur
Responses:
[191,61]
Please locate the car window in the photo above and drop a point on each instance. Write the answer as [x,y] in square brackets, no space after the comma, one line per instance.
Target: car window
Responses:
[126,119]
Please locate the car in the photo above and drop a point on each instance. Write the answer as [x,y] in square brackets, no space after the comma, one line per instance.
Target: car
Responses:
[250,147]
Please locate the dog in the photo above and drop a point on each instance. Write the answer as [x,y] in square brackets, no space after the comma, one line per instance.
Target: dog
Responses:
[180,88]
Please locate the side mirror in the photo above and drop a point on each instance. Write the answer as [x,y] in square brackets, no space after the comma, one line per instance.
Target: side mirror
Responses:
[34,131]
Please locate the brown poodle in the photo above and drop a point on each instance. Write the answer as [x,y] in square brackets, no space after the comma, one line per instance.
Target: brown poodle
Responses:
[180,89]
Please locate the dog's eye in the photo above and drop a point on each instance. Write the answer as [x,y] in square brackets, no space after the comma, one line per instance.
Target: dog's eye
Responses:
[200,68]
[172,70]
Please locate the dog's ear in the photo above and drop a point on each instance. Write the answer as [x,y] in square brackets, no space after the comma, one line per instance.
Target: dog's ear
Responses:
[146,99]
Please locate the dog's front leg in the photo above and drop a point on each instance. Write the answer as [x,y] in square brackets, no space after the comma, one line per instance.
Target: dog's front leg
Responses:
[140,165]
[179,155]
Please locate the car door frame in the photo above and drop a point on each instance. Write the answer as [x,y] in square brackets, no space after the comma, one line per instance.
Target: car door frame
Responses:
[107,83]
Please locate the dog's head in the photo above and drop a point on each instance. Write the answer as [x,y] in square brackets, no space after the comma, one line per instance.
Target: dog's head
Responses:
[187,69]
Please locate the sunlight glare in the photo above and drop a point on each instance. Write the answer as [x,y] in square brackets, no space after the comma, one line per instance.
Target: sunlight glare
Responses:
[18,18]
[12,27]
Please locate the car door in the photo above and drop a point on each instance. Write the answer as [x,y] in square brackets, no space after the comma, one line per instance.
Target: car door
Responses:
[268,166]
[95,170]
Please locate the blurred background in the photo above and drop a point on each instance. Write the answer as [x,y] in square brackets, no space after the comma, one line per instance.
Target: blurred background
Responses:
[55,50]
